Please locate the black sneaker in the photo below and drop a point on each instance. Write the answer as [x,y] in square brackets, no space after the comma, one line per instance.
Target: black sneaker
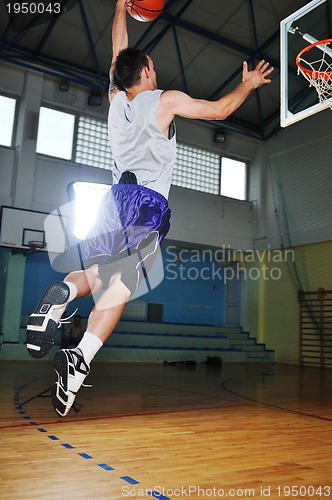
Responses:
[71,370]
[45,320]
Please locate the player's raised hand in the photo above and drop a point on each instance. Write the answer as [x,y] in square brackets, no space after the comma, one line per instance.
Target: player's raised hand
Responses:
[122,3]
[258,76]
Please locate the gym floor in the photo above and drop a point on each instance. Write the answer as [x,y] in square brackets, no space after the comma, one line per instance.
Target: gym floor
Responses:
[154,431]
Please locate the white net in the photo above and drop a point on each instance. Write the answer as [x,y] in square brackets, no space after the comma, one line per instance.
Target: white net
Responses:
[315,64]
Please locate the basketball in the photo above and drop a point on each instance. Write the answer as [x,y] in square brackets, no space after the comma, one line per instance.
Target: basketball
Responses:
[145,10]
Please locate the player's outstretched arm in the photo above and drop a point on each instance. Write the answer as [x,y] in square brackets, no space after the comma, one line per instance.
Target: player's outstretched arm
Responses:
[119,41]
[178,103]
[119,29]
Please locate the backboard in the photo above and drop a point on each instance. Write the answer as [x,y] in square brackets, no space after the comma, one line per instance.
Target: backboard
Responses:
[22,229]
[312,22]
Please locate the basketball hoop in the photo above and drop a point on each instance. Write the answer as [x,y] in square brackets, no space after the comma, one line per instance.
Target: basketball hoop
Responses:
[318,72]
[36,245]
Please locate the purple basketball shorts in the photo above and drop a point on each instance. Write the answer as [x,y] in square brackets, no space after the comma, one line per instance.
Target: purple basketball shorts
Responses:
[132,221]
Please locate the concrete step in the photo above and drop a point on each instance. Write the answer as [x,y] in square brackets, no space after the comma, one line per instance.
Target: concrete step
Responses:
[139,353]
[168,340]
[169,328]
[245,342]
[149,341]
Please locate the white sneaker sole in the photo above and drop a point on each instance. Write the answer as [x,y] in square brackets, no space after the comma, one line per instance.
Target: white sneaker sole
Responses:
[43,322]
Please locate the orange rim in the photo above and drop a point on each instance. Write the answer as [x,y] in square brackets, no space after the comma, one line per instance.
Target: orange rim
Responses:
[325,75]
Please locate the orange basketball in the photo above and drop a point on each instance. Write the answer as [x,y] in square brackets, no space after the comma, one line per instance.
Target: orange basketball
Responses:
[145,10]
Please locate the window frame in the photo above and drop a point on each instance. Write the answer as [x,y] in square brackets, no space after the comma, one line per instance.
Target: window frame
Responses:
[239,159]
[85,116]
[199,151]
[195,149]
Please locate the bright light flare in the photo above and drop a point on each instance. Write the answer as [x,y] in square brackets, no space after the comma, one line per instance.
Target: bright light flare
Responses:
[88,196]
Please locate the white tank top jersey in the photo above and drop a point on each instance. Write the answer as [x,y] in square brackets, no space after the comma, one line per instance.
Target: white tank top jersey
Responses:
[137,143]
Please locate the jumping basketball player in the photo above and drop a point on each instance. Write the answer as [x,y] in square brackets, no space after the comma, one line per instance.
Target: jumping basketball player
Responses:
[134,216]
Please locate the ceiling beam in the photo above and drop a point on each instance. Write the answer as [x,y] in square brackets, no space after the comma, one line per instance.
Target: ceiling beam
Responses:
[89,36]
[55,67]
[178,51]
[237,47]
[95,79]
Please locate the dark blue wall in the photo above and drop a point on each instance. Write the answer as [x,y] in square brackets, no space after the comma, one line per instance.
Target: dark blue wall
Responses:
[192,290]
[38,275]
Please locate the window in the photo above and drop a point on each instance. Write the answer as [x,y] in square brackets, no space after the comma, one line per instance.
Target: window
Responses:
[7,113]
[93,147]
[197,168]
[207,171]
[55,133]
[233,179]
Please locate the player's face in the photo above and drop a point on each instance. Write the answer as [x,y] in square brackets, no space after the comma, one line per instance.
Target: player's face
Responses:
[153,75]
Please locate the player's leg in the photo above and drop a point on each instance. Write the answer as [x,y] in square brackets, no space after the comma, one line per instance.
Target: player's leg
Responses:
[45,320]
[120,276]
[73,365]
[108,309]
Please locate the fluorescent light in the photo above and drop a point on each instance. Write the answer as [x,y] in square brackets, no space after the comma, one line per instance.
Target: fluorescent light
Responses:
[88,196]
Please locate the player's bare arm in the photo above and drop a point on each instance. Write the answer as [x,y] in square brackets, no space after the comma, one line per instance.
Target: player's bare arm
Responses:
[119,39]
[176,103]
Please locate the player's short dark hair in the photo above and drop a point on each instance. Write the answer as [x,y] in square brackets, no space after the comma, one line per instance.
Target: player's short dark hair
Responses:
[128,67]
